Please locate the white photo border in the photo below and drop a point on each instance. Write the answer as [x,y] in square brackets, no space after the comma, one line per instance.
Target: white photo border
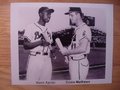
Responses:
[109,45]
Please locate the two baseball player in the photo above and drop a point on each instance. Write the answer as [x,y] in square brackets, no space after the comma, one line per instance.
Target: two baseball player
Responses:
[79,47]
[38,40]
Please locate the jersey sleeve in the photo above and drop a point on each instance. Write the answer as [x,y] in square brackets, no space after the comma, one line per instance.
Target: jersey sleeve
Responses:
[87,33]
[84,33]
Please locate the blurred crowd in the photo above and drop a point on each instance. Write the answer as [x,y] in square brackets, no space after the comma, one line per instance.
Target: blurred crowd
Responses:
[98,37]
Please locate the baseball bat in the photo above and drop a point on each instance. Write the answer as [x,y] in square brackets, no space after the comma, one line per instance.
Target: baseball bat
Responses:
[59,44]
[47,38]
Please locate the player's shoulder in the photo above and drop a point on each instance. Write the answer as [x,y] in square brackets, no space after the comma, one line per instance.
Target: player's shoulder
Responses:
[29,26]
[82,28]
[86,27]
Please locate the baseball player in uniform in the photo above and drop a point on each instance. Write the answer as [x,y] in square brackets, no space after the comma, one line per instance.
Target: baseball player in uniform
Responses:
[38,40]
[79,47]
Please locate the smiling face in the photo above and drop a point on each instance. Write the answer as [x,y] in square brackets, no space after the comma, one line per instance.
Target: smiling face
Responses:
[46,16]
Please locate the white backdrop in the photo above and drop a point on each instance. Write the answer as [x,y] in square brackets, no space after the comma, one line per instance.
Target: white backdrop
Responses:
[25,14]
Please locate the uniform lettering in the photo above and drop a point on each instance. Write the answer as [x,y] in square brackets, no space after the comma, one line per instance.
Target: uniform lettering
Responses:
[49,35]
[73,46]
[37,35]
[74,38]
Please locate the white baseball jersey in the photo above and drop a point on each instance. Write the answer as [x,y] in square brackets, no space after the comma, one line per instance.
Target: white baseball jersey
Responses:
[81,32]
[39,66]
[33,33]
[78,64]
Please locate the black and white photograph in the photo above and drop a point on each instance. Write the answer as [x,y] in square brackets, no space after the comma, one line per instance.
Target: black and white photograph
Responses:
[61,43]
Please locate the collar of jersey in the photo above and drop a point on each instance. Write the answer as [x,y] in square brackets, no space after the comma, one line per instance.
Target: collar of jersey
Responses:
[40,26]
[80,26]
[77,28]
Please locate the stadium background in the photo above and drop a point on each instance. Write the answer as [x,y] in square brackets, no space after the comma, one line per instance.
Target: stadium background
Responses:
[60,68]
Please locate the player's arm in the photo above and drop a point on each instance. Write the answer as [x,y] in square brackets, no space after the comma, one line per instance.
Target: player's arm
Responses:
[83,43]
[78,50]
[31,45]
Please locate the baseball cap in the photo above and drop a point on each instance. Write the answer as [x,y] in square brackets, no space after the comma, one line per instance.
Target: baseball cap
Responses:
[74,9]
[43,9]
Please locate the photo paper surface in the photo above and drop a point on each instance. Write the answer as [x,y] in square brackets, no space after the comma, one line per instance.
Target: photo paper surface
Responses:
[61,43]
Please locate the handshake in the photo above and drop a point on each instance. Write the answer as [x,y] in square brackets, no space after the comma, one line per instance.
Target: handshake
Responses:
[44,42]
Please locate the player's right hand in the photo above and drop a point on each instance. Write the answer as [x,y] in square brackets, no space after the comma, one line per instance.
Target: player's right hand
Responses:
[45,43]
